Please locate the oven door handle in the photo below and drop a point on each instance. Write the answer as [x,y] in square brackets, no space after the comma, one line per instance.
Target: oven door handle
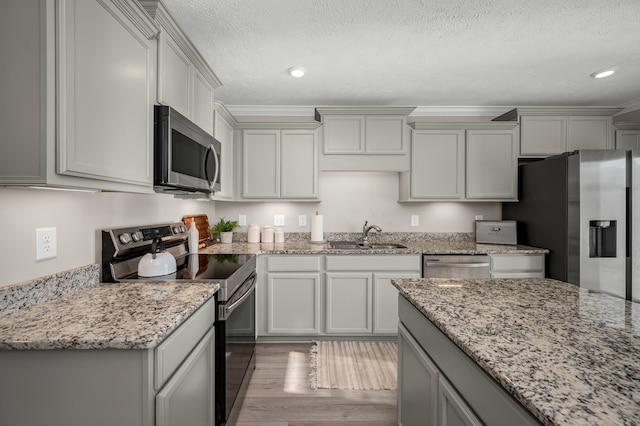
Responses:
[225,311]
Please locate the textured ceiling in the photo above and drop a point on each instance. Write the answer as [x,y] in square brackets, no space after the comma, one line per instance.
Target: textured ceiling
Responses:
[418,52]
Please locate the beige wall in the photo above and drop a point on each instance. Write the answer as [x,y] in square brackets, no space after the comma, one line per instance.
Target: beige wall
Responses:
[348,199]
[628,117]
[78,218]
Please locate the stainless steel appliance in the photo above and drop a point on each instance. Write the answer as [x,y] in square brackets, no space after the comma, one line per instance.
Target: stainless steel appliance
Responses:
[456,266]
[496,232]
[186,158]
[123,248]
[580,206]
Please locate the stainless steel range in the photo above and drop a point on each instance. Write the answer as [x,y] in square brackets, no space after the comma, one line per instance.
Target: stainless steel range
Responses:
[122,250]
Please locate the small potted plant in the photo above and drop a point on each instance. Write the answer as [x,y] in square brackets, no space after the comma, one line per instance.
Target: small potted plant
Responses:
[225,229]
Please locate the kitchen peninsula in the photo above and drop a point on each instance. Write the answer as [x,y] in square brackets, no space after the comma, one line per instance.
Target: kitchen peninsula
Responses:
[538,349]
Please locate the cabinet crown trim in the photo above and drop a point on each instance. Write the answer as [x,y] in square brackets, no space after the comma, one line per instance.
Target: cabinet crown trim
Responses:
[138,17]
[626,125]
[310,125]
[489,125]
[159,13]
[589,111]
[364,110]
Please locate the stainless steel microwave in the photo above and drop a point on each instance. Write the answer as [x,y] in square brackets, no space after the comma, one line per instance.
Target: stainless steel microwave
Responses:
[186,158]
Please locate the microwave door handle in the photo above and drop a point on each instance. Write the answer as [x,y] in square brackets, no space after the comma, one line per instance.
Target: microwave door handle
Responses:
[212,182]
[210,150]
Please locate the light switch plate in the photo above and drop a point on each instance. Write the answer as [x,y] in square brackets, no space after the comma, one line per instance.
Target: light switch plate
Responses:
[242,220]
[302,220]
[278,220]
[415,220]
[46,243]
[479,217]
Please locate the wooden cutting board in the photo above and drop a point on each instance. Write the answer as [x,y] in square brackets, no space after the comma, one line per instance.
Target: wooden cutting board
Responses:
[202,225]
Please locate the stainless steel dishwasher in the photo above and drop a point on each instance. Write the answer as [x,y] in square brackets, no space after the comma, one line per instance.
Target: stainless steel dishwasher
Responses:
[456,266]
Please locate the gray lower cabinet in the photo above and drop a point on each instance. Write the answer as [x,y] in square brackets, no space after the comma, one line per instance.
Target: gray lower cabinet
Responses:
[187,397]
[349,303]
[293,303]
[439,384]
[342,295]
[171,384]
[517,265]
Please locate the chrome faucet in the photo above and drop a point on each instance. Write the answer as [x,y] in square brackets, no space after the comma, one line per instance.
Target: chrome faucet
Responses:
[366,229]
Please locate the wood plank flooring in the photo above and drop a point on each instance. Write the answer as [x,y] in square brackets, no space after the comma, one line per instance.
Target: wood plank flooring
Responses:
[279,394]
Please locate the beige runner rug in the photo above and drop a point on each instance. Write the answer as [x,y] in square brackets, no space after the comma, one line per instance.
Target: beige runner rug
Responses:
[357,365]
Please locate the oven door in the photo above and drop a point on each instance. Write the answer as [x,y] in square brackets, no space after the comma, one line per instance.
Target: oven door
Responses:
[235,347]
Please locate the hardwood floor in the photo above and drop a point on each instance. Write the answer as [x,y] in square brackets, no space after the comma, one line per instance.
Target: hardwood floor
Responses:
[279,394]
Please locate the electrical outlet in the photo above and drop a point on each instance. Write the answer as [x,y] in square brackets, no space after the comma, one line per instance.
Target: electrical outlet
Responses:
[415,220]
[302,220]
[242,220]
[278,220]
[479,217]
[46,243]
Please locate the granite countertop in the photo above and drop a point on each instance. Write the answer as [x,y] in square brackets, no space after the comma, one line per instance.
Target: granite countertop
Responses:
[413,247]
[569,355]
[135,315]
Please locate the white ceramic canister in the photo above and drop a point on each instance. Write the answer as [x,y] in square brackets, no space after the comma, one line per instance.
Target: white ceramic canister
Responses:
[278,235]
[253,233]
[267,234]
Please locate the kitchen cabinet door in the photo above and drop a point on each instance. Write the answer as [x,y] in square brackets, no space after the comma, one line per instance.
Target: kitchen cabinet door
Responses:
[543,135]
[627,139]
[385,301]
[174,76]
[348,303]
[491,165]
[299,164]
[588,133]
[437,165]
[188,398]
[417,383]
[293,303]
[105,75]
[223,132]
[202,102]
[344,134]
[261,164]
[454,411]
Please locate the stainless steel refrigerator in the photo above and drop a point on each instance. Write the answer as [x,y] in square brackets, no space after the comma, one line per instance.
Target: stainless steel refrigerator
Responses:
[582,206]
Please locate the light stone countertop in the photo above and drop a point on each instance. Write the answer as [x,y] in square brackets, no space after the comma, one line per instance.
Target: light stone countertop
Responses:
[133,315]
[413,247]
[569,355]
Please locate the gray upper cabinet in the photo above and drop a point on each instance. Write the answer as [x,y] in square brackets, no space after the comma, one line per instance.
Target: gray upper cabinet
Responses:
[185,80]
[223,131]
[462,162]
[550,131]
[627,135]
[364,138]
[280,164]
[90,124]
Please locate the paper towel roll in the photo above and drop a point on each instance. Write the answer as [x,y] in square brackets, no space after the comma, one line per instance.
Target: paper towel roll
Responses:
[316,228]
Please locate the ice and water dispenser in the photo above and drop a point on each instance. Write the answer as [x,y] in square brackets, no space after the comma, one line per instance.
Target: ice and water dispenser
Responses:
[602,238]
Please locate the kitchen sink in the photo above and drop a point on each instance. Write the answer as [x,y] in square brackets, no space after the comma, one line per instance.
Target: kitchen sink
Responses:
[353,245]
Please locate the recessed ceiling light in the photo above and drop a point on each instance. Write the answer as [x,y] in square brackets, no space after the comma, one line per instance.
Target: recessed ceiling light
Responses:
[603,73]
[297,71]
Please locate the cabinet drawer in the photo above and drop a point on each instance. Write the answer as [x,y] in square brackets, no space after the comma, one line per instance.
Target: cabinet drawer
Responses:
[293,263]
[175,348]
[405,263]
[517,274]
[519,262]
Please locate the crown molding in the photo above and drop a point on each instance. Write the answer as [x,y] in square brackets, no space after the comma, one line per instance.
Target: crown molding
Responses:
[488,125]
[271,110]
[357,110]
[460,111]
[161,16]
[221,109]
[552,110]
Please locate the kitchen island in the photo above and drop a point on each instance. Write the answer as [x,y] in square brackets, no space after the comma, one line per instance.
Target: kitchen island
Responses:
[562,355]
